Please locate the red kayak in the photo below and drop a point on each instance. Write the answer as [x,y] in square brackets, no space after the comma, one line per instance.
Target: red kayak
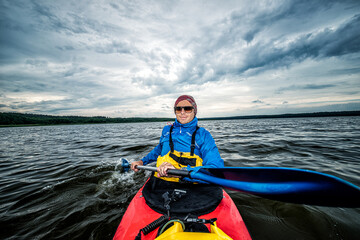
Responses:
[139,215]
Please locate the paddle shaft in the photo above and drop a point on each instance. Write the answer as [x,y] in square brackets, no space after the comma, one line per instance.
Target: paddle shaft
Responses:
[282,184]
[174,172]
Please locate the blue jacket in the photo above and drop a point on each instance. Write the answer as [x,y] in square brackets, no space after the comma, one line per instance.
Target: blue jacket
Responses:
[205,146]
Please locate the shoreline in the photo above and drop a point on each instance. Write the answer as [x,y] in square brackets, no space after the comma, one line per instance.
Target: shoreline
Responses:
[27,120]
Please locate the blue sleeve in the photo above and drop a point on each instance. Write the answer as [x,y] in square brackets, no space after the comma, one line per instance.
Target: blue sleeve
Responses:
[210,153]
[155,153]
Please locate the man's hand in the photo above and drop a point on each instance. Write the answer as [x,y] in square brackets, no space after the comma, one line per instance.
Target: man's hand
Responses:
[136,163]
[163,168]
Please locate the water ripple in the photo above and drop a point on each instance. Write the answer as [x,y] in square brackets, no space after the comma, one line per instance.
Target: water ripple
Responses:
[63,182]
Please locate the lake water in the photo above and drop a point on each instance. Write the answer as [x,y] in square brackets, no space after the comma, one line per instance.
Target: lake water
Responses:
[62,182]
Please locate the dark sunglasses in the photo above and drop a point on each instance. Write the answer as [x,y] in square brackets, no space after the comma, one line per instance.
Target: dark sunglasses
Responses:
[187,109]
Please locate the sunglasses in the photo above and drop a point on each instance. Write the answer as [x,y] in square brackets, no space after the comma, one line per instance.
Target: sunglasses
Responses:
[187,109]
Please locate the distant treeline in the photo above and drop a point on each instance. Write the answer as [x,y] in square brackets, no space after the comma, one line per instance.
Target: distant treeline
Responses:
[295,115]
[14,119]
[20,119]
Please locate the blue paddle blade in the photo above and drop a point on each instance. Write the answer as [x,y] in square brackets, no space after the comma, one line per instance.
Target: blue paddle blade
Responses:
[125,165]
[285,184]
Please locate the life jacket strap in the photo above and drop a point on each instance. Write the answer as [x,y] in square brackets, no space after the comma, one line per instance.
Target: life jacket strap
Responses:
[193,142]
[192,148]
[170,139]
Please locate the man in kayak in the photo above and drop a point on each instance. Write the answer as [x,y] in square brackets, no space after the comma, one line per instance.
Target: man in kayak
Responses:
[183,144]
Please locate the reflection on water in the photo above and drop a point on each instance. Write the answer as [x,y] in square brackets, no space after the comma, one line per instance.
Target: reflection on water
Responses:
[61,182]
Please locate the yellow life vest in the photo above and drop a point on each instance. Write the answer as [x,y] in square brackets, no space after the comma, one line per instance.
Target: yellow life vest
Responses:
[179,159]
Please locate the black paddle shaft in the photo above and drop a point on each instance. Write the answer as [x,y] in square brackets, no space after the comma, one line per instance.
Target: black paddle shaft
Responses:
[174,172]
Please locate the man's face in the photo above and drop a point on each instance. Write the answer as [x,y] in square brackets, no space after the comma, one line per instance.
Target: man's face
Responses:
[184,116]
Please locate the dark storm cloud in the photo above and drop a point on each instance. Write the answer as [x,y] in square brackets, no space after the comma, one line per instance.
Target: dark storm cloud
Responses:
[257,101]
[261,20]
[30,29]
[347,71]
[275,49]
[330,43]
[47,19]
[327,43]
[306,87]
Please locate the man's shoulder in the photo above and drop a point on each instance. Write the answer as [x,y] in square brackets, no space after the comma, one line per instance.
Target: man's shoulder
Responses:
[166,129]
[203,132]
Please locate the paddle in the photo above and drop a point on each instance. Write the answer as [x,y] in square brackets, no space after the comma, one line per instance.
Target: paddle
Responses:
[283,184]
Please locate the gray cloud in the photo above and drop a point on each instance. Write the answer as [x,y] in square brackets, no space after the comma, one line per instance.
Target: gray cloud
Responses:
[63,57]
[349,71]
[276,50]
[257,101]
[306,87]
[113,47]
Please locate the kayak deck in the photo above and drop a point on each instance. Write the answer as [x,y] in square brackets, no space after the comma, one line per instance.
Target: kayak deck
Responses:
[139,215]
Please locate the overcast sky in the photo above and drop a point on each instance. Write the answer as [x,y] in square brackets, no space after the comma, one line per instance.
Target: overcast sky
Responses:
[134,58]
